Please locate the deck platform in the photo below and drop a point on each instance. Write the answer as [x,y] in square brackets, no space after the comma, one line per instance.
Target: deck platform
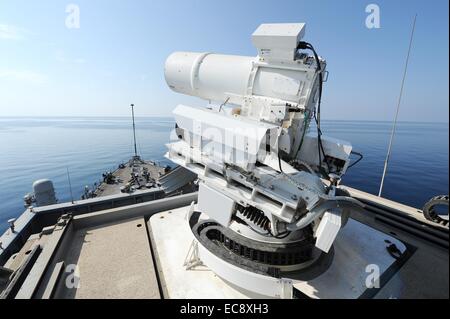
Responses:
[123,175]
[171,240]
[343,275]
[103,252]
[138,251]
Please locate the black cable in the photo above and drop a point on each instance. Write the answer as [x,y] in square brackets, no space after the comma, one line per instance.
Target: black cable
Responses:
[279,161]
[318,142]
[280,235]
[320,147]
[305,45]
[357,161]
[317,115]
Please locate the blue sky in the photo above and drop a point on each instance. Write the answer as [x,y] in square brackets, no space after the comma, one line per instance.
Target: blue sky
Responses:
[117,55]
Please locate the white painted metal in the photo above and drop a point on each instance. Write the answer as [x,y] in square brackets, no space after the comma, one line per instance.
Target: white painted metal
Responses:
[216,205]
[214,144]
[356,247]
[338,149]
[329,227]
[238,154]
[278,41]
[282,93]
[256,283]
[171,239]
[261,87]
[223,139]
[359,253]
[209,76]
[275,194]
[44,192]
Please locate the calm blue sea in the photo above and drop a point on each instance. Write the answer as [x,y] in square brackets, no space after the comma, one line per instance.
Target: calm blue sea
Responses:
[34,148]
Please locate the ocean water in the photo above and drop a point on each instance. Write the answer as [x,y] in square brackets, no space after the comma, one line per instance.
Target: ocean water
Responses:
[34,148]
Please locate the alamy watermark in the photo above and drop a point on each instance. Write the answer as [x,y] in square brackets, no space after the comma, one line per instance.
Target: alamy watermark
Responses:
[73,277]
[73,16]
[373,277]
[239,145]
[373,19]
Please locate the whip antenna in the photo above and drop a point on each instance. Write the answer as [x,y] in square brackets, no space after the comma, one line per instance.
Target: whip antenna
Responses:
[134,130]
[394,125]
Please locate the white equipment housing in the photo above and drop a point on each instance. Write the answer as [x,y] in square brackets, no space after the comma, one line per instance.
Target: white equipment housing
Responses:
[44,192]
[272,87]
[249,146]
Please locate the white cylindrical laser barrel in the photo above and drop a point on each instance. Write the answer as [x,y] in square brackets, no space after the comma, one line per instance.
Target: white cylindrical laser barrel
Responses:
[209,76]
[219,77]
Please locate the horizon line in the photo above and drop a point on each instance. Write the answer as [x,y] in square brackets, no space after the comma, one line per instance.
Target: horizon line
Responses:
[170,117]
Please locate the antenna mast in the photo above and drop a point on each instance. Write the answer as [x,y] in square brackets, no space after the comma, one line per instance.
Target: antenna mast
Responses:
[134,131]
[394,126]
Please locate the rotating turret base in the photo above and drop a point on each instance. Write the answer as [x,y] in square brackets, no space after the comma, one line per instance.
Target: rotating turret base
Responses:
[342,273]
[269,258]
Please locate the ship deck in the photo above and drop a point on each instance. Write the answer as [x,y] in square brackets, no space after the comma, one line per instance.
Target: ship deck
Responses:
[104,250]
[123,175]
[118,256]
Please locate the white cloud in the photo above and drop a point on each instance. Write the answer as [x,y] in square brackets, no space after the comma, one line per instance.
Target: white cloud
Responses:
[23,75]
[10,32]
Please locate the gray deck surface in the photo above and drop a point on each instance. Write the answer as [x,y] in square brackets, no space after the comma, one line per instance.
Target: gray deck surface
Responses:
[424,275]
[114,261]
[115,258]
